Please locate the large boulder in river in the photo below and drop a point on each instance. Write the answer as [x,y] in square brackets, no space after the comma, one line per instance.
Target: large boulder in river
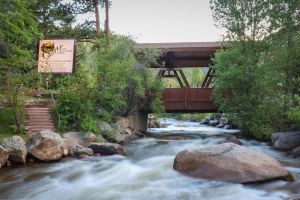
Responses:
[229,162]
[17,149]
[78,151]
[4,154]
[46,146]
[107,148]
[296,152]
[285,140]
[230,139]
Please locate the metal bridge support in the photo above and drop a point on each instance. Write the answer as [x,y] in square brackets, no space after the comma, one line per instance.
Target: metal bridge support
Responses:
[208,78]
[174,73]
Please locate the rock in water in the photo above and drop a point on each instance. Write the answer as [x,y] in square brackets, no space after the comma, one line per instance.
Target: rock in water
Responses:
[46,146]
[16,148]
[107,148]
[79,150]
[296,152]
[286,140]
[231,139]
[3,156]
[229,162]
[205,120]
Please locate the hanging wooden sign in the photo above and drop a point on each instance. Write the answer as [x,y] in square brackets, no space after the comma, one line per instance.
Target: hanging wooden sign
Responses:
[56,56]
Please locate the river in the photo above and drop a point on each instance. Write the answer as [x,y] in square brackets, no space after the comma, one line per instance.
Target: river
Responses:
[146,174]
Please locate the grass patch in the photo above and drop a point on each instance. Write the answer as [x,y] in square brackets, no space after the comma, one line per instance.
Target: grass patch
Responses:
[7,124]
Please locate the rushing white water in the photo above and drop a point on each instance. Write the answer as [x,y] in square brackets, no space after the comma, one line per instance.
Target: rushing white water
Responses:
[146,174]
[184,127]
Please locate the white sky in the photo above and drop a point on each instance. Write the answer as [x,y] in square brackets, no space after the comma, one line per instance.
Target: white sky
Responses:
[163,20]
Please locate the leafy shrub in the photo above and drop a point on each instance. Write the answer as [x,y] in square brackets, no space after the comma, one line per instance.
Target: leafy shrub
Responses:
[74,111]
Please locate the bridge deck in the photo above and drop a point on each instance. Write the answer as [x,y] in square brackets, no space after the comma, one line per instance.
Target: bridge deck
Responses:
[189,54]
[188,100]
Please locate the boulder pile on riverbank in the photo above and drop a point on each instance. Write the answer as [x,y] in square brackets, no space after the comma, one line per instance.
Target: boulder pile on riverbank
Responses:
[47,146]
[287,141]
[121,132]
[218,121]
[229,162]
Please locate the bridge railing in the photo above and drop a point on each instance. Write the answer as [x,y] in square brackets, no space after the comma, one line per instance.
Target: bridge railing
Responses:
[188,100]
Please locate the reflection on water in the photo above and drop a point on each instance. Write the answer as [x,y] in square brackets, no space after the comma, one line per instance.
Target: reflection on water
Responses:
[146,174]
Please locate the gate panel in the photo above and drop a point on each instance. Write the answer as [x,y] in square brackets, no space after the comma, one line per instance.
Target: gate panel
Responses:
[174,99]
[200,99]
[188,100]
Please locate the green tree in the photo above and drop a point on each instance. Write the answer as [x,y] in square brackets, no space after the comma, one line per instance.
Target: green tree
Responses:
[92,7]
[18,37]
[249,71]
[54,17]
[285,48]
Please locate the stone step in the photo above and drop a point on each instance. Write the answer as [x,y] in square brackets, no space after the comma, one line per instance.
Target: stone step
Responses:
[38,111]
[35,109]
[39,104]
[38,108]
[39,114]
[42,123]
[31,132]
[40,126]
[39,119]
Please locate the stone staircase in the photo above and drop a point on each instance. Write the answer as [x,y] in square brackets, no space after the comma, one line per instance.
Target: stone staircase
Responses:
[39,116]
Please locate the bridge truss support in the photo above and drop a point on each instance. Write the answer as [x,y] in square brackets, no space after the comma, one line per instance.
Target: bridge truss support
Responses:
[174,72]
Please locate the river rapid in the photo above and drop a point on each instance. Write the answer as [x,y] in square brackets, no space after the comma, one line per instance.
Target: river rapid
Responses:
[146,174]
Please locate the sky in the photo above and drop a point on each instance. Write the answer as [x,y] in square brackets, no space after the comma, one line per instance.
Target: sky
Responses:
[151,21]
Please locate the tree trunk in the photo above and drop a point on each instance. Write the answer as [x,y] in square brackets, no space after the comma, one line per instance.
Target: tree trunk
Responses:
[95,3]
[107,17]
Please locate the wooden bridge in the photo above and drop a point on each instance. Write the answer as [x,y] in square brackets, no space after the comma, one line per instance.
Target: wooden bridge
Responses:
[173,58]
